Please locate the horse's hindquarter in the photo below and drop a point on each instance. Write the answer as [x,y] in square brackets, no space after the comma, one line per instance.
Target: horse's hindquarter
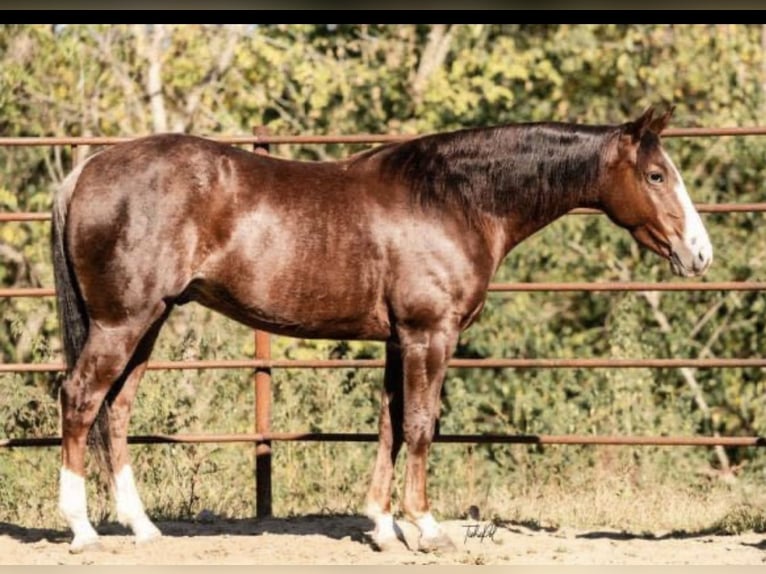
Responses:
[139,215]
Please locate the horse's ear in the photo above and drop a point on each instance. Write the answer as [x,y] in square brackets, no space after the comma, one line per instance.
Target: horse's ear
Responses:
[638,128]
[659,124]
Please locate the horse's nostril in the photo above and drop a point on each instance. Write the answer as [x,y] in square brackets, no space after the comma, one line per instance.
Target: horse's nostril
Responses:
[701,256]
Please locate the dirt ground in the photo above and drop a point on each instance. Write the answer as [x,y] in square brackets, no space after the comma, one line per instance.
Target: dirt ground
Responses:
[344,540]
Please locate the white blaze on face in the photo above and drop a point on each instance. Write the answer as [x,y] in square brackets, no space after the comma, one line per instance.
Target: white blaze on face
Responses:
[693,251]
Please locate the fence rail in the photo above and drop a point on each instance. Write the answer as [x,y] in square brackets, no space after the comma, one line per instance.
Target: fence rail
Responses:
[701,207]
[619,286]
[741,441]
[264,139]
[263,363]
[609,363]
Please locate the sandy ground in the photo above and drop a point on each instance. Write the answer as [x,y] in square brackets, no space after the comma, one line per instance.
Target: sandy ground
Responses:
[344,540]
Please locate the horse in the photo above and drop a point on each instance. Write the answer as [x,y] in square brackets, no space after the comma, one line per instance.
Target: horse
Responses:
[395,244]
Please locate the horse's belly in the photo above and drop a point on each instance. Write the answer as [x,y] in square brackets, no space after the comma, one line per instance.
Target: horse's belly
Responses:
[297,312]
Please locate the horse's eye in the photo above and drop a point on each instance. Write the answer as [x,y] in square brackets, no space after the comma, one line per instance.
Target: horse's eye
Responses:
[655,177]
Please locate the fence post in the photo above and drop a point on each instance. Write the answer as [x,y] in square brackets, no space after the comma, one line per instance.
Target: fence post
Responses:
[262,399]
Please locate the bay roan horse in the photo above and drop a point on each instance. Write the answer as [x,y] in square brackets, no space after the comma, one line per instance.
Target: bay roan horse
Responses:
[396,244]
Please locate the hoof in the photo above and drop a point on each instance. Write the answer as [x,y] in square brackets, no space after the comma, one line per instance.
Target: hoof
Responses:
[387,535]
[82,543]
[386,545]
[436,544]
[147,534]
[389,540]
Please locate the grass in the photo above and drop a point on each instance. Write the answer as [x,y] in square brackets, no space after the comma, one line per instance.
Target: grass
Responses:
[175,486]
[742,517]
[656,510]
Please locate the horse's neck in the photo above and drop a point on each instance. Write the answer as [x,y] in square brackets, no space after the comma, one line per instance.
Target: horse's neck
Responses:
[519,228]
[520,224]
[509,182]
[540,175]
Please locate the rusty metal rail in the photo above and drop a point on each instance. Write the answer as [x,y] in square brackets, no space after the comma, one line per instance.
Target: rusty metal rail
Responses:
[262,364]
[701,207]
[621,286]
[265,139]
[564,363]
[743,441]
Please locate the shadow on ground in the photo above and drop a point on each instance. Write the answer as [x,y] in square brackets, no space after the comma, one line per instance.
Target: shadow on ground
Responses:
[354,527]
[519,527]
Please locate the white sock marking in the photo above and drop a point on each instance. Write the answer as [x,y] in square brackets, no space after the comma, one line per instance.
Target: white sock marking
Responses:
[384,523]
[384,527]
[428,526]
[130,510]
[74,509]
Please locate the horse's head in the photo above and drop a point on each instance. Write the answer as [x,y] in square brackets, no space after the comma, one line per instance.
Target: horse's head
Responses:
[646,195]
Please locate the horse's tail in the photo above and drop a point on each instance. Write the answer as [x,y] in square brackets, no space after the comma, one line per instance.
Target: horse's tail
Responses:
[73,318]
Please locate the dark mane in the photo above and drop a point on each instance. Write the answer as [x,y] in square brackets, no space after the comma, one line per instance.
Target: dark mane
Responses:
[541,168]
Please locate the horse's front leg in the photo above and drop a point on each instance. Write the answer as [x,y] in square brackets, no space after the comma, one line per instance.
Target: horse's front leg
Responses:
[424,357]
[386,536]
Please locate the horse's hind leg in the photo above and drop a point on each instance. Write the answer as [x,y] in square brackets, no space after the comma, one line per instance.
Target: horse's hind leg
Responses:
[104,357]
[130,509]
[390,442]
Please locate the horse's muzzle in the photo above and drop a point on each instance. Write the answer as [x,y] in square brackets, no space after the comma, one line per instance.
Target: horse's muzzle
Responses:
[691,263]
